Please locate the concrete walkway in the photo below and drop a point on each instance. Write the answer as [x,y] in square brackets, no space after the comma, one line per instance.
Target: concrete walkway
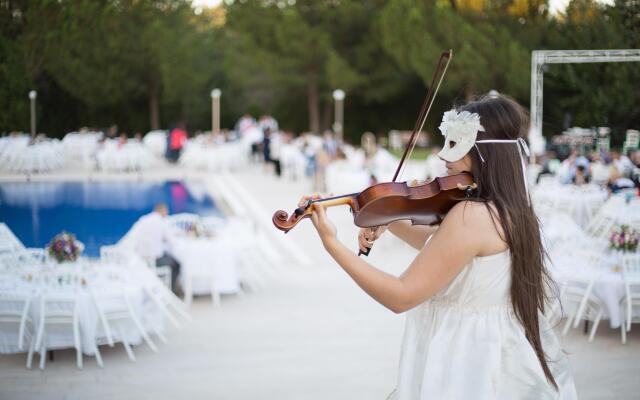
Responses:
[310,333]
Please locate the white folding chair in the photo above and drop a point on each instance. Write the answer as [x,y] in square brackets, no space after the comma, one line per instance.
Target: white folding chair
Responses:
[631,299]
[257,259]
[16,322]
[55,312]
[115,311]
[163,272]
[576,293]
[167,302]
[124,253]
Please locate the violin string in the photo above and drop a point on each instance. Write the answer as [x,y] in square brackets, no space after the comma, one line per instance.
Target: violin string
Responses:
[422,118]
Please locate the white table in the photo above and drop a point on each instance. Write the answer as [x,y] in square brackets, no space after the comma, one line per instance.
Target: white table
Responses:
[580,202]
[608,285]
[99,278]
[202,259]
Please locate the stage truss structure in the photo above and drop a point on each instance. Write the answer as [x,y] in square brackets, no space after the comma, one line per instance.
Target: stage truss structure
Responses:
[541,57]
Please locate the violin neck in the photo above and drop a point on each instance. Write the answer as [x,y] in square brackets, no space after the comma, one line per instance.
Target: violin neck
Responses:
[336,201]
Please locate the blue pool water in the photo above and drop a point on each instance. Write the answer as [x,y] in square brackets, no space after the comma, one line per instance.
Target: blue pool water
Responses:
[98,213]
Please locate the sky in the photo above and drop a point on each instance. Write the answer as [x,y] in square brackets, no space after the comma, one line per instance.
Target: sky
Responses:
[555,5]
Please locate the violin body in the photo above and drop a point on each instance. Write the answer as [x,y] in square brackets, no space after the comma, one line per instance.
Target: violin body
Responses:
[386,202]
[423,204]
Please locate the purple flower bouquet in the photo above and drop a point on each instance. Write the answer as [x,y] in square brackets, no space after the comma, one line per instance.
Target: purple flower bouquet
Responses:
[64,247]
[624,238]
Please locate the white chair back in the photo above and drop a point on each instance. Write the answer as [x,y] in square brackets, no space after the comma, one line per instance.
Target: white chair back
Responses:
[631,275]
[14,318]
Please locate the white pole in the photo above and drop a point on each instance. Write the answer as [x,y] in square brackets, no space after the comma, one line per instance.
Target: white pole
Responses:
[338,125]
[215,110]
[32,96]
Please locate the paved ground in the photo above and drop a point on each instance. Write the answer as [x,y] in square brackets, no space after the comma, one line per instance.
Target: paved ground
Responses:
[310,333]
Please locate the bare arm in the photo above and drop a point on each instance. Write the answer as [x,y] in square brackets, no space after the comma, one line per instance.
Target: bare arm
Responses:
[414,235]
[453,245]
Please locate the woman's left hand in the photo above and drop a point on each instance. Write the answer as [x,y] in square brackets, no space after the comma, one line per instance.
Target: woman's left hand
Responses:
[326,229]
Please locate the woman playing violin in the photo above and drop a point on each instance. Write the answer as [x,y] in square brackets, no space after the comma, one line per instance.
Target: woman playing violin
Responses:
[475,292]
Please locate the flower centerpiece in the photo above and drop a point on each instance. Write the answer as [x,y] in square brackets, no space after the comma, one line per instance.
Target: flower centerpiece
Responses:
[64,247]
[624,238]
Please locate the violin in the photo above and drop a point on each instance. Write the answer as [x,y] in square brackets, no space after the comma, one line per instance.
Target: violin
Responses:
[387,202]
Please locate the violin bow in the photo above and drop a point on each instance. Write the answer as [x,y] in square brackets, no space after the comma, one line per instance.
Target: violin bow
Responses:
[438,75]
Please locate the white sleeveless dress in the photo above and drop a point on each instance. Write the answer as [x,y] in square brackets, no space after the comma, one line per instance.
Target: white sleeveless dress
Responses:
[466,343]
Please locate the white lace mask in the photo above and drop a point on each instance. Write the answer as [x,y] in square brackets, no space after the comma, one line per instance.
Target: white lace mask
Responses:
[460,131]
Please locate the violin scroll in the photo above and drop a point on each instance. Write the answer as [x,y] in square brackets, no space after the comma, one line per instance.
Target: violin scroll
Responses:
[282,221]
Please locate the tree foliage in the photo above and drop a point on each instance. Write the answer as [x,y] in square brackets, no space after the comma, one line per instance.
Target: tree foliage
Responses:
[148,63]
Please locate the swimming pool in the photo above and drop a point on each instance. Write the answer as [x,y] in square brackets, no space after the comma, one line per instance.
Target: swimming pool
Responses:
[98,213]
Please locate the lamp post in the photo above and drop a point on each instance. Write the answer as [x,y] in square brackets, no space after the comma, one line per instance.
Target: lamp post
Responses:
[32,96]
[215,110]
[338,124]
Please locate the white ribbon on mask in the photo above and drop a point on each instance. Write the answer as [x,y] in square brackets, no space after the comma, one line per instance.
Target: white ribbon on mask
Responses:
[522,145]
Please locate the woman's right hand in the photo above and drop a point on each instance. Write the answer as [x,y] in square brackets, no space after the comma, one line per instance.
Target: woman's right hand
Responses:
[367,236]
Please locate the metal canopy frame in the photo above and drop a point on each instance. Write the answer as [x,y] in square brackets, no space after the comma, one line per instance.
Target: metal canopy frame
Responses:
[541,57]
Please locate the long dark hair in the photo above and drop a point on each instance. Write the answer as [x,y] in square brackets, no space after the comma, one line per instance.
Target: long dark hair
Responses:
[500,181]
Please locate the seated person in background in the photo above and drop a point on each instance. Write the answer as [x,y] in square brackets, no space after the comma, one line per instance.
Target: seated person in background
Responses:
[581,176]
[153,240]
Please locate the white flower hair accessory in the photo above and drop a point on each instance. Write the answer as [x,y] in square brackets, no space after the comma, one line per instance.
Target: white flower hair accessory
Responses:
[460,131]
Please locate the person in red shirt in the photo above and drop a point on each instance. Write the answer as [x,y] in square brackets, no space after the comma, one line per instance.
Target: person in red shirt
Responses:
[177,139]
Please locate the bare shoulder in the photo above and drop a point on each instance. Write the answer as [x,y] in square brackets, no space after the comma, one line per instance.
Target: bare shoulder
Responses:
[470,213]
[481,225]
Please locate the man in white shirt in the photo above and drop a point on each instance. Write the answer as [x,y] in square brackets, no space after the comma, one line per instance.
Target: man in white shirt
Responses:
[152,238]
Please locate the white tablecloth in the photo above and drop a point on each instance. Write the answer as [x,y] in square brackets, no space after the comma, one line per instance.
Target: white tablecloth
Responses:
[99,278]
[608,286]
[208,258]
[580,202]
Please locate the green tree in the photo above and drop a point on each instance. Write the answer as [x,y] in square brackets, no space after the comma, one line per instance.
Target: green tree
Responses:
[290,49]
